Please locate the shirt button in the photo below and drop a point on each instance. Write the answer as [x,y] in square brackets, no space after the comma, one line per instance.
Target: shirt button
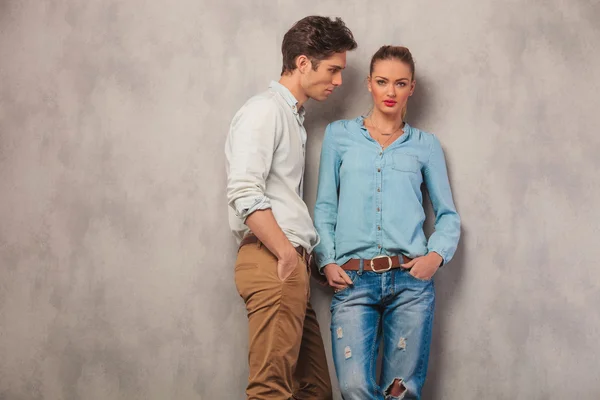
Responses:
[378,209]
[378,246]
[378,169]
[381,152]
[378,228]
[378,189]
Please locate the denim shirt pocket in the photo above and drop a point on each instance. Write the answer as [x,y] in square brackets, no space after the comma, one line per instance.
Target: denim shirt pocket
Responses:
[406,163]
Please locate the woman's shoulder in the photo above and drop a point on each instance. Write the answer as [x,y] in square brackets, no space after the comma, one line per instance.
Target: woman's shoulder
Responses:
[343,126]
[422,136]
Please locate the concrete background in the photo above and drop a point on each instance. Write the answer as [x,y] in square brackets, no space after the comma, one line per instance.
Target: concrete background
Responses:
[116,263]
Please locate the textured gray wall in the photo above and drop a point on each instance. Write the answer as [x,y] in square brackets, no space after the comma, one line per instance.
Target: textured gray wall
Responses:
[116,278]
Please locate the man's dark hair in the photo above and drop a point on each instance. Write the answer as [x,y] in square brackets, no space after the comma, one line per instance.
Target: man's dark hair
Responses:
[317,38]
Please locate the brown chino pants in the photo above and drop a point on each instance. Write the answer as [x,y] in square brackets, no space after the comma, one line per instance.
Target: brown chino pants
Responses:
[286,354]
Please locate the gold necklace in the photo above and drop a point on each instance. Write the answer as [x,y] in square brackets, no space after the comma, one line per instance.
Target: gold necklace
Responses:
[381,132]
[386,142]
[391,135]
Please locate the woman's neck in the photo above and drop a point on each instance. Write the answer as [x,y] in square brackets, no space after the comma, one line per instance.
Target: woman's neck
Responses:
[386,123]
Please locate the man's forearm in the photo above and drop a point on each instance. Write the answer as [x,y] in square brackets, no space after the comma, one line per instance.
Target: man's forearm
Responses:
[262,223]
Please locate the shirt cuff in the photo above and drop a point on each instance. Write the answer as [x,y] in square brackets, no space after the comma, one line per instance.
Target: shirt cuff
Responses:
[323,262]
[441,254]
[244,207]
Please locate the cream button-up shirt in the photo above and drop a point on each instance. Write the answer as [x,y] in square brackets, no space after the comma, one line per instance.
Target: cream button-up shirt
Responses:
[265,151]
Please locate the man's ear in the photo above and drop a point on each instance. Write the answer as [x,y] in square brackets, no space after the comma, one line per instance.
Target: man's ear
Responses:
[303,63]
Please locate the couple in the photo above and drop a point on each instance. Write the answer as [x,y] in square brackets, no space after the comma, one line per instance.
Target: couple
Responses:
[368,243]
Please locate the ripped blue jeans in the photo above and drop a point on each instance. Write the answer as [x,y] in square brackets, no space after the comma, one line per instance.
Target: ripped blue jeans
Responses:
[395,309]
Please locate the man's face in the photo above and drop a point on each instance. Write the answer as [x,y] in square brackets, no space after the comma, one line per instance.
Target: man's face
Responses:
[320,83]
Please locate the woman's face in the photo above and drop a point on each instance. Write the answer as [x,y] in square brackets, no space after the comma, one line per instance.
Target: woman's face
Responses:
[390,84]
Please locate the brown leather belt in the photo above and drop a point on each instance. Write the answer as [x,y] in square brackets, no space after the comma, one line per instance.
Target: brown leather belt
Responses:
[377,264]
[251,239]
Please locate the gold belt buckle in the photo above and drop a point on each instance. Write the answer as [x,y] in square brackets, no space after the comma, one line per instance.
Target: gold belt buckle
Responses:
[379,271]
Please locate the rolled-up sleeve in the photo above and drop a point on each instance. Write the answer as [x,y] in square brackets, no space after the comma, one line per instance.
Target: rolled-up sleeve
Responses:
[249,148]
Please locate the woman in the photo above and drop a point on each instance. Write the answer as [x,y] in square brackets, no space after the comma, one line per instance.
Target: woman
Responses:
[373,250]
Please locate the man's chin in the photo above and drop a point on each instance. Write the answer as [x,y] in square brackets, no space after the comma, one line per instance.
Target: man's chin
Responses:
[322,97]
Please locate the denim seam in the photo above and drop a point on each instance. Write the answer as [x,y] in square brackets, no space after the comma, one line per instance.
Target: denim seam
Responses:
[428,327]
[431,144]
[373,359]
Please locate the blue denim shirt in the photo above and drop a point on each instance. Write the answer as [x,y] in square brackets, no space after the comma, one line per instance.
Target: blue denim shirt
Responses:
[369,201]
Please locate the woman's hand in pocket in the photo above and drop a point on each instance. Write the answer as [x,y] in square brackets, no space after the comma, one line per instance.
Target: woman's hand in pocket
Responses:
[424,267]
[337,278]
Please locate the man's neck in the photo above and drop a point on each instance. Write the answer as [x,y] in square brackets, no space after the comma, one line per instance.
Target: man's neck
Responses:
[291,82]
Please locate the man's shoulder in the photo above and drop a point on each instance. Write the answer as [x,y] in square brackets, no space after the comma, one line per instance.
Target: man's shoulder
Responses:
[262,102]
[258,108]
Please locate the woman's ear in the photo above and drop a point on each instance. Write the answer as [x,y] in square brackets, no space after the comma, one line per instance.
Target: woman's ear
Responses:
[369,83]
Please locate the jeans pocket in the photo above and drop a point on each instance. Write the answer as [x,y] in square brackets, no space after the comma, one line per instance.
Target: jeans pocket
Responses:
[353,275]
[418,279]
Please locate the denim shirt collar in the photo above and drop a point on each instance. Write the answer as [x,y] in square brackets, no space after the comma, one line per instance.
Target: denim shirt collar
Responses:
[360,122]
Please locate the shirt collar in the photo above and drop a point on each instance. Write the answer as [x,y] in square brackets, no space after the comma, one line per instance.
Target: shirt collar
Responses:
[289,99]
[360,121]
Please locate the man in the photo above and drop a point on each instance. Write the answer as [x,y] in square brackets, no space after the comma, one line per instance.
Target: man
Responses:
[265,152]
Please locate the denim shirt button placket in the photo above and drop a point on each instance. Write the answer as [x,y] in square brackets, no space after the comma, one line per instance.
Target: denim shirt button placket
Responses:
[378,197]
